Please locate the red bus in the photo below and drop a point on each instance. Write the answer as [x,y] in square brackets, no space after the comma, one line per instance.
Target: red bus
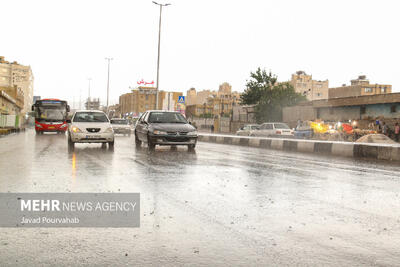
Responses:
[50,115]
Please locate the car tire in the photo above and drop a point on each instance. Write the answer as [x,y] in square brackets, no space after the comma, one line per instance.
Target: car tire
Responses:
[71,144]
[150,144]
[191,147]
[111,144]
[138,143]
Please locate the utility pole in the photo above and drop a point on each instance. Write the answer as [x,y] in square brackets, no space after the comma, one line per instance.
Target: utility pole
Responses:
[108,80]
[158,55]
[88,102]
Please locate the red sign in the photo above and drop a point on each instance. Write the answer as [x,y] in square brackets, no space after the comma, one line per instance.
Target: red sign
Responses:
[142,82]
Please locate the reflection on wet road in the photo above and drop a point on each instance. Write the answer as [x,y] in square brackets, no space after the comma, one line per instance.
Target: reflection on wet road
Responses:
[220,205]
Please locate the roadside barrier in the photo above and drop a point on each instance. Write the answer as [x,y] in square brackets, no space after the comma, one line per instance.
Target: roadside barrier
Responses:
[389,152]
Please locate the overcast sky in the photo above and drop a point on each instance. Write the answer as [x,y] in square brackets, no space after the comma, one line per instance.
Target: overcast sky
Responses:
[203,43]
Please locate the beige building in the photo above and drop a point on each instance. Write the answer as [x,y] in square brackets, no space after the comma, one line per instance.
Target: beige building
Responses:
[14,74]
[191,97]
[214,103]
[144,98]
[312,89]
[198,98]
[359,87]
[10,104]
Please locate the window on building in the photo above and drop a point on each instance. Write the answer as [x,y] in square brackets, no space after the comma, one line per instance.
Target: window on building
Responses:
[393,109]
[383,90]
[146,106]
[147,97]
[363,110]
[368,89]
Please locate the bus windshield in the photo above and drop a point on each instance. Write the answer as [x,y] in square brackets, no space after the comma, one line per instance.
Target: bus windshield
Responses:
[51,112]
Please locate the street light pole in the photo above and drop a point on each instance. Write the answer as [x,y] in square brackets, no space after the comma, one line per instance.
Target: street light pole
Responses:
[158,55]
[88,102]
[108,80]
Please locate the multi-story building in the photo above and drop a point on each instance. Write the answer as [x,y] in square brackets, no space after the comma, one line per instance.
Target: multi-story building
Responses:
[359,87]
[92,104]
[11,100]
[14,74]
[15,93]
[212,102]
[199,110]
[144,98]
[312,89]
[191,97]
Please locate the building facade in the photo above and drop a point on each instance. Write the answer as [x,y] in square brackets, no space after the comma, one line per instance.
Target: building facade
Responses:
[359,87]
[366,107]
[92,104]
[8,104]
[14,74]
[144,98]
[312,89]
[212,103]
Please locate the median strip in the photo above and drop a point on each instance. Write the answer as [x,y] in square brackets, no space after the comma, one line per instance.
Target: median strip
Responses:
[390,152]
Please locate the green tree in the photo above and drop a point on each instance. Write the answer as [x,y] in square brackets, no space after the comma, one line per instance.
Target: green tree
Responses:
[269,96]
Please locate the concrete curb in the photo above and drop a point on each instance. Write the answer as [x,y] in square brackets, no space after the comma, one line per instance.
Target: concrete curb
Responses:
[343,149]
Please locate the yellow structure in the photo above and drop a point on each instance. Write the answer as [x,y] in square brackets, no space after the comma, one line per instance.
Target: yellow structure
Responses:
[9,105]
[312,89]
[359,87]
[144,98]
[13,74]
[214,103]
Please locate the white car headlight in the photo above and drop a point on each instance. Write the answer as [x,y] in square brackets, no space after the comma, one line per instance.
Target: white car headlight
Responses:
[76,129]
[159,132]
[109,130]
[192,133]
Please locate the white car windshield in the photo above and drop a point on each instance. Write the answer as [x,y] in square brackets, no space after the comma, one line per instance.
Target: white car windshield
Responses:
[90,117]
[281,126]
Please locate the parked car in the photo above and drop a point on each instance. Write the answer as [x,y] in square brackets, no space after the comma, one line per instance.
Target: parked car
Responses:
[157,127]
[303,130]
[248,129]
[273,129]
[90,126]
[121,126]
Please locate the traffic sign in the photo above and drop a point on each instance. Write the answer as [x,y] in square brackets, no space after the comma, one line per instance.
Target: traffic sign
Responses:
[181,99]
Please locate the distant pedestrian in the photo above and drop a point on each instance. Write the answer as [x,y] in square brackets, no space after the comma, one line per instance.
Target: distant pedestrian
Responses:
[385,129]
[379,126]
[212,128]
[397,132]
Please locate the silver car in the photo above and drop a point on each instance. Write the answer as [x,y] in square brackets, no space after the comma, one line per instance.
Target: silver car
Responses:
[121,126]
[273,129]
[248,129]
[90,126]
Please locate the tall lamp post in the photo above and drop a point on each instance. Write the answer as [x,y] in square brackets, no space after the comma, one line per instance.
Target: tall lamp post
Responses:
[158,56]
[108,79]
[88,102]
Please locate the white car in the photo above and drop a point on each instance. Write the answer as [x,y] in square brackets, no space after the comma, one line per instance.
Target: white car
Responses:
[248,129]
[90,126]
[121,126]
[273,129]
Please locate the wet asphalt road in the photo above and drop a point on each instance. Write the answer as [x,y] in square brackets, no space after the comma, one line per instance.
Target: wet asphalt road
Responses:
[219,206]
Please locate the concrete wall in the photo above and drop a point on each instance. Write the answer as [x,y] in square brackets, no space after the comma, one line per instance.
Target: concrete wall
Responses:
[339,113]
[374,111]
[291,115]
